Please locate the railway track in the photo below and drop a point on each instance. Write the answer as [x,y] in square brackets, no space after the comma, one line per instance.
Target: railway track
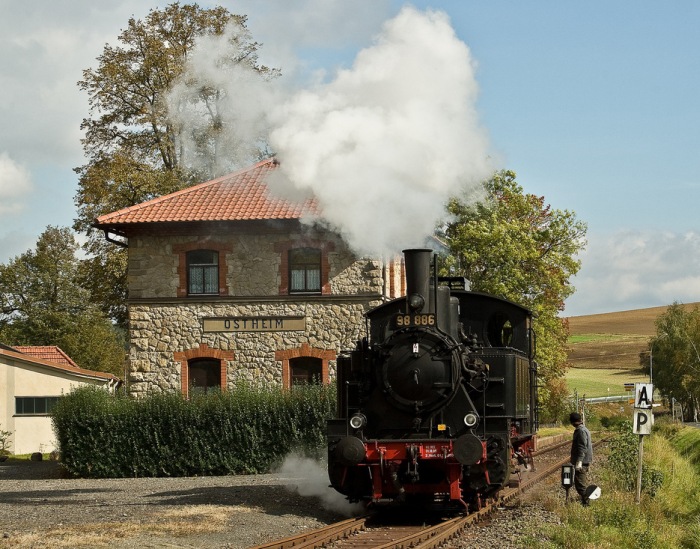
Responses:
[367,532]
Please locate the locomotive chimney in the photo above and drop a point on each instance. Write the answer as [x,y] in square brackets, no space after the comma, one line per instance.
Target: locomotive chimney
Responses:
[417,262]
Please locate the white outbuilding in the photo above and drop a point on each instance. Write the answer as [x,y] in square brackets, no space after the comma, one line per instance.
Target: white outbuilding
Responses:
[32,379]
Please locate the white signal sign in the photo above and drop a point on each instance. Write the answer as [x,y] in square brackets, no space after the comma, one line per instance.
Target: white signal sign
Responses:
[643,416]
[643,395]
[643,420]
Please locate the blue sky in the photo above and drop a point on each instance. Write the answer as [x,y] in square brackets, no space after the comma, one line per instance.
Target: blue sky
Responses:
[595,106]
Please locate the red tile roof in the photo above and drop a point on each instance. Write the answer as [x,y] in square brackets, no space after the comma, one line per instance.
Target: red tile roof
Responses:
[47,352]
[73,369]
[239,196]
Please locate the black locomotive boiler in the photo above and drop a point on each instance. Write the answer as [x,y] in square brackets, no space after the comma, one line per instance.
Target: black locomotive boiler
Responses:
[437,404]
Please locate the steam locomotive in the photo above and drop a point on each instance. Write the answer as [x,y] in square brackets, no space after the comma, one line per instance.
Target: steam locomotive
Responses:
[437,404]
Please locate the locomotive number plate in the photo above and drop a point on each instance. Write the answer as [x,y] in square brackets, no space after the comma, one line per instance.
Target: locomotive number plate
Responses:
[411,320]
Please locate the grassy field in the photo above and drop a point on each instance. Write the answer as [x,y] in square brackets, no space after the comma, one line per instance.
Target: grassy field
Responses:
[602,382]
[608,350]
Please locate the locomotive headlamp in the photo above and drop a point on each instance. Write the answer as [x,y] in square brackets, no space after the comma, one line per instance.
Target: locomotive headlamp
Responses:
[471,419]
[416,302]
[358,421]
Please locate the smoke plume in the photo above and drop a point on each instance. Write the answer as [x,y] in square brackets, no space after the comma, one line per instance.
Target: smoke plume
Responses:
[384,144]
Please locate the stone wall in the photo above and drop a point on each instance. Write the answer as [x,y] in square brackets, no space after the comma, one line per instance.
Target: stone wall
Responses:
[164,324]
[252,264]
[158,332]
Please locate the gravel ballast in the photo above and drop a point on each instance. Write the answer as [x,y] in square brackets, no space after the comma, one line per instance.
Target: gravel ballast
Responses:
[39,509]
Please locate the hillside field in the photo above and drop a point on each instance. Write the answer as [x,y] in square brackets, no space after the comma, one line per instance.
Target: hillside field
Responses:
[605,350]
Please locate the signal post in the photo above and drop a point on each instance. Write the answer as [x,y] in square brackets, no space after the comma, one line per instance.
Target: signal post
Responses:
[642,421]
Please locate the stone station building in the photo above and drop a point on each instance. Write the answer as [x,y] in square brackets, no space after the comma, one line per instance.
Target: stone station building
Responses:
[228,283]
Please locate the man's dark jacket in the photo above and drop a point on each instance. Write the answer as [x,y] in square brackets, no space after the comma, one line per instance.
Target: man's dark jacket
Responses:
[581,446]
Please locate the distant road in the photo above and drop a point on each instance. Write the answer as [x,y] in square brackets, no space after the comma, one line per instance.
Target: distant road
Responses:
[618,398]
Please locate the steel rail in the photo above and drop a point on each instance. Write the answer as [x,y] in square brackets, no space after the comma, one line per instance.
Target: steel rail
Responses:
[319,537]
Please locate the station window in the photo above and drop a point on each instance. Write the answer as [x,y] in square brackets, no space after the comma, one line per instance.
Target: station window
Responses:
[306,370]
[305,270]
[203,272]
[204,375]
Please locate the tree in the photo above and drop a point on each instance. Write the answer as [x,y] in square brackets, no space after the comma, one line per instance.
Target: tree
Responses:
[134,145]
[515,246]
[42,303]
[675,357]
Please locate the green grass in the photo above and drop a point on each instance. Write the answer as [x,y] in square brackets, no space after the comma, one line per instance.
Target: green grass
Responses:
[552,431]
[586,338]
[26,457]
[670,518]
[601,382]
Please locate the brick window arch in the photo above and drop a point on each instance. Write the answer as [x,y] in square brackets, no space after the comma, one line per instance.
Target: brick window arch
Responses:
[287,356]
[196,358]
[183,267]
[284,249]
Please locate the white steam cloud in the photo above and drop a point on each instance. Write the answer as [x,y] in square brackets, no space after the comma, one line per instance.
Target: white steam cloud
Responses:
[386,143]
[309,478]
[382,146]
[237,99]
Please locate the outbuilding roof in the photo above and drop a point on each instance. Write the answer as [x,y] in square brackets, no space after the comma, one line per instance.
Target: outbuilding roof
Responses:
[239,196]
[30,359]
[52,353]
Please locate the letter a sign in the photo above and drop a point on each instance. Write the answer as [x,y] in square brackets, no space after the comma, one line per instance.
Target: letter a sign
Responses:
[643,416]
[643,395]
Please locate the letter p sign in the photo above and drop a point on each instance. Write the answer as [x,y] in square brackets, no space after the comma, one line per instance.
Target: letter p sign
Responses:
[642,422]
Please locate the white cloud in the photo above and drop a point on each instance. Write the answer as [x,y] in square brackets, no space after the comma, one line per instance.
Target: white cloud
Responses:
[632,269]
[44,47]
[15,185]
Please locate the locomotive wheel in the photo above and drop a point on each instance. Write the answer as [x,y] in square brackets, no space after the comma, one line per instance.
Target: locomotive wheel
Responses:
[499,473]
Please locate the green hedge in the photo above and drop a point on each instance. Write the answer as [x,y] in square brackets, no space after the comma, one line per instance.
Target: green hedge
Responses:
[240,431]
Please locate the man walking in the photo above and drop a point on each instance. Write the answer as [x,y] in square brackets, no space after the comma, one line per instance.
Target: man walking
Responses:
[581,455]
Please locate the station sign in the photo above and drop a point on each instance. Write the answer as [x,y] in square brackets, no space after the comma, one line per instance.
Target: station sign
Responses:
[255,324]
